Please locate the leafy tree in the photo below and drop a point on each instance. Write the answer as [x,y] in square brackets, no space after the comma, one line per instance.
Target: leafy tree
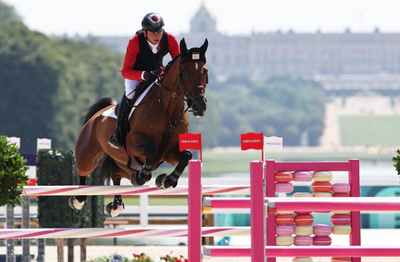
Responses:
[13,176]
[47,83]
[8,13]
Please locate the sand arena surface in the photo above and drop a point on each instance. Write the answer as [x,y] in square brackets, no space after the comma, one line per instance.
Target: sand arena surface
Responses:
[370,237]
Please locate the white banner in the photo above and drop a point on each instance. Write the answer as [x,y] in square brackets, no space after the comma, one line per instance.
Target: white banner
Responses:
[273,143]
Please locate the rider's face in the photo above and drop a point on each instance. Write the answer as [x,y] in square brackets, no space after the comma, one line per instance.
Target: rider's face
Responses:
[154,37]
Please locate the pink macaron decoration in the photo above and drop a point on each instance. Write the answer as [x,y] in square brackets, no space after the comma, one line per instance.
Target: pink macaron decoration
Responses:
[322,230]
[340,219]
[303,219]
[341,188]
[321,186]
[284,230]
[283,176]
[284,219]
[303,241]
[302,176]
[283,187]
[322,240]
[341,195]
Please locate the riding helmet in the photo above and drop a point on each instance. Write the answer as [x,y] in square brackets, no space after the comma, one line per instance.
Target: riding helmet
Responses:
[153,22]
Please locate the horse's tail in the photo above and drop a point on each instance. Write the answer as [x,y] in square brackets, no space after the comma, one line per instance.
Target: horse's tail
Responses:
[98,105]
[105,171]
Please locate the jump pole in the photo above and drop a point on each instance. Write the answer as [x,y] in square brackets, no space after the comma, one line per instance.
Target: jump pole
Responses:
[371,204]
[195,209]
[305,251]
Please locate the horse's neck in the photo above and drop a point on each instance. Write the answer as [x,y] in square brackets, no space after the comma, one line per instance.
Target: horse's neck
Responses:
[171,78]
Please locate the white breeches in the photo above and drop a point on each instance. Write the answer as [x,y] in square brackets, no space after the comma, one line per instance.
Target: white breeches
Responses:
[130,87]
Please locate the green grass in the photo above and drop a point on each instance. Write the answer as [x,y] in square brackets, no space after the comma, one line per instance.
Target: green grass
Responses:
[370,130]
[216,163]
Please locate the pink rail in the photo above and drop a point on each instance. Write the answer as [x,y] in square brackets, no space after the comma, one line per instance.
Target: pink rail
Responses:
[293,251]
[310,204]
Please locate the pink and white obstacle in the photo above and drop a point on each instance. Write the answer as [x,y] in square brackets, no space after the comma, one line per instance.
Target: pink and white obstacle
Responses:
[263,209]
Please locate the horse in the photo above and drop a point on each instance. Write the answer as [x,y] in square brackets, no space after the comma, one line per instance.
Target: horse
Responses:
[153,132]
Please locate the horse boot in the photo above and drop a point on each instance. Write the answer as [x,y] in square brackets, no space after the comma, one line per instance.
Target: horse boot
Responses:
[117,138]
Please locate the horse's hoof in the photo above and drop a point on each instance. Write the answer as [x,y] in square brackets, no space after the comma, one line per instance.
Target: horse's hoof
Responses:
[160,181]
[75,204]
[136,181]
[114,212]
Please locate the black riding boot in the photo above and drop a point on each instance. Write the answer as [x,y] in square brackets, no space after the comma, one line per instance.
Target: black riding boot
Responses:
[116,140]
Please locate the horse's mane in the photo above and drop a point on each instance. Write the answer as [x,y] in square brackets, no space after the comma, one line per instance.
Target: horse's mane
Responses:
[170,63]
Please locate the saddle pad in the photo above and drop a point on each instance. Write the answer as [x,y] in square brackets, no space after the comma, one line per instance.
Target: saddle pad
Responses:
[111,112]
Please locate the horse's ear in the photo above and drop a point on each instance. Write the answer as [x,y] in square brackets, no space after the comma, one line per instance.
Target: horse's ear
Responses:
[203,48]
[182,46]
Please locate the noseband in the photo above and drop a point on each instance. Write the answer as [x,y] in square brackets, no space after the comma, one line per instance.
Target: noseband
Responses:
[188,97]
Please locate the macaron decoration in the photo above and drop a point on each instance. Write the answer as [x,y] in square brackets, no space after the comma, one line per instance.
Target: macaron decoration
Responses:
[322,230]
[340,219]
[284,230]
[283,187]
[322,194]
[302,176]
[341,188]
[302,259]
[303,230]
[303,219]
[322,240]
[284,219]
[303,241]
[341,229]
[322,176]
[319,186]
[284,240]
[284,176]
[340,259]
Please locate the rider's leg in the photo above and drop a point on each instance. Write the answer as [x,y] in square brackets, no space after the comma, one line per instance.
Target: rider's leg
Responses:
[116,140]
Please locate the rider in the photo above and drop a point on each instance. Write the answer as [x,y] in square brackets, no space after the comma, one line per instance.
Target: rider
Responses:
[143,59]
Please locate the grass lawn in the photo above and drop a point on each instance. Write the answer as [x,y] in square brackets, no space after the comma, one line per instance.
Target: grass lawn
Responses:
[370,130]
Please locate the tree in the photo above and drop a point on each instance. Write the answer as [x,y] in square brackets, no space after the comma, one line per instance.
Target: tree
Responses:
[8,13]
[13,176]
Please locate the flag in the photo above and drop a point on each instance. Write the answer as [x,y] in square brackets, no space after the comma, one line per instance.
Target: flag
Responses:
[273,143]
[252,141]
[189,141]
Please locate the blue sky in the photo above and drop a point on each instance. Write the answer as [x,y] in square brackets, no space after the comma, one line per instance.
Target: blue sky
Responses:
[123,17]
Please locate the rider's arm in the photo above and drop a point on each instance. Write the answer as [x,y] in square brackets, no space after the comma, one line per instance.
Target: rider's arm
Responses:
[130,58]
[173,46]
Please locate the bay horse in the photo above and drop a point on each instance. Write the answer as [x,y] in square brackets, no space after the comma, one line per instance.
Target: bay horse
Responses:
[153,132]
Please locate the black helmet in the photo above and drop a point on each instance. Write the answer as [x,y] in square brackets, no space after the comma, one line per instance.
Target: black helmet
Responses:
[153,22]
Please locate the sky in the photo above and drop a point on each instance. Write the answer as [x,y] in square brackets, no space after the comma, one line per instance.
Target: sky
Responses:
[123,17]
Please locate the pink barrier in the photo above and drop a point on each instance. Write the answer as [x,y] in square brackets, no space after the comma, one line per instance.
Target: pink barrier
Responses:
[305,251]
[310,204]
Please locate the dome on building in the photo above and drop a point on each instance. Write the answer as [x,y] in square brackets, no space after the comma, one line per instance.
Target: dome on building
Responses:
[203,21]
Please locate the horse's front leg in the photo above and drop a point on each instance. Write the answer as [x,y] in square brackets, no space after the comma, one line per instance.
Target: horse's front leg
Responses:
[163,181]
[144,174]
[117,206]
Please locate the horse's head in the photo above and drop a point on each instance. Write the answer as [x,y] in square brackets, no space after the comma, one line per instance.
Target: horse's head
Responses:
[193,76]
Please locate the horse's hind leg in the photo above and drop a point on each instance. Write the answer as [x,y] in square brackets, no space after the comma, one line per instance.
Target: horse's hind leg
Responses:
[163,181]
[77,202]
[117,206]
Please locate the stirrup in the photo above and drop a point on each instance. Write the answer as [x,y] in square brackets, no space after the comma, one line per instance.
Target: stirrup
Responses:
[114,142]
